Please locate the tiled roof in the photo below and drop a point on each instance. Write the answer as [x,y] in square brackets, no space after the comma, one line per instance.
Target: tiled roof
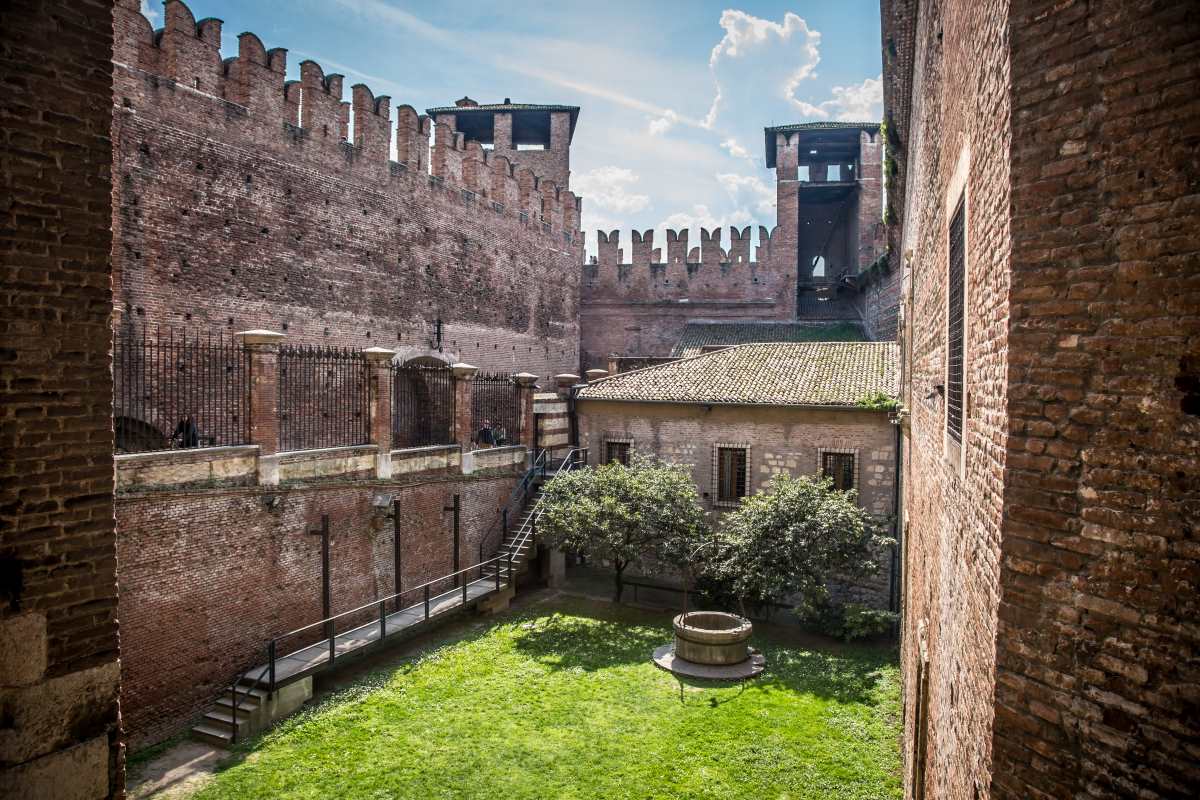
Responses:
[811,373]
[700,335]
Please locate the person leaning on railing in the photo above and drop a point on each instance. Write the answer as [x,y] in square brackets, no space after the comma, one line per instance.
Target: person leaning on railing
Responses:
[187,434]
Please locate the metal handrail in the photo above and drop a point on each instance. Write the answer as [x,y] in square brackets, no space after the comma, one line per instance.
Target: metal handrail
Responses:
[237,700]
[570,461]
[503,562]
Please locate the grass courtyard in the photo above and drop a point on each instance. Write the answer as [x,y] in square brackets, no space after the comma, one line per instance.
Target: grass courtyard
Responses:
[560,700]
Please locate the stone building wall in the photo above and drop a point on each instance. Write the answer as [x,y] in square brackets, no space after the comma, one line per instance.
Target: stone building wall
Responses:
[209,575]
[1098,654]
[59,717]
[957,142]
[242,202]
[779,440]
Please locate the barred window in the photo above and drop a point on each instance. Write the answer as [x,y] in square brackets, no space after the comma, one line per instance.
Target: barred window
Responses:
[954,320]
[839,467]
[731,474]
[617,452]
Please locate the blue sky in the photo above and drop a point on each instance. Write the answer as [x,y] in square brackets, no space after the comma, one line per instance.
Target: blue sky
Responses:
[674,95]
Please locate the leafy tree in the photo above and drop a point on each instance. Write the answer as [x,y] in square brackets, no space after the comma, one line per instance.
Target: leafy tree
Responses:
[788,539]
[622,513]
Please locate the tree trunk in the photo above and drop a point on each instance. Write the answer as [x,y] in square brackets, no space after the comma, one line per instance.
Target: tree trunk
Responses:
[620,567]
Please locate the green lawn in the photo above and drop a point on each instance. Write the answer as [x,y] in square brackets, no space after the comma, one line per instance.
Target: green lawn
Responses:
[560,700]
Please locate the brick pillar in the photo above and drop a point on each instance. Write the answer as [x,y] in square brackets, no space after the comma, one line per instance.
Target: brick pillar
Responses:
[563,384]
[526,386]
[379,362]
[262,348]
[613,366]
[463,375]
[594,375]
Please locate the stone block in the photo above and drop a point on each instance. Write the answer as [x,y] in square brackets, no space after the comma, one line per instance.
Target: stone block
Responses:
[22,649]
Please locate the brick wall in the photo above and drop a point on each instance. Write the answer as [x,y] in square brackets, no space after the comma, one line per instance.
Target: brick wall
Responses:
[229,215]
[957,141]
[779,440]
[1051,571]
[207,577]
[58,624]
[1097,639]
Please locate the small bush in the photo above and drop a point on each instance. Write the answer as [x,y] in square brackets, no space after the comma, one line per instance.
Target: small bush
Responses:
[879,401]
[851,621]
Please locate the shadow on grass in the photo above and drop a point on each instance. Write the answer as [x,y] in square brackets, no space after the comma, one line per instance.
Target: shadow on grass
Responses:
[591,642]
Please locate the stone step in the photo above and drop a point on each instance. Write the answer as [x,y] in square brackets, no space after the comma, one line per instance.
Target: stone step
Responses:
[218,719]
[213,735]
[246,706]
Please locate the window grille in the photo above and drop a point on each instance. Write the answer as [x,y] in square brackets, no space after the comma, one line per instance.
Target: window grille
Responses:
[495,411]
[422,406]
[178,389]
[617,452]
[323,398]
[839,467]
[954,319]
[731,474]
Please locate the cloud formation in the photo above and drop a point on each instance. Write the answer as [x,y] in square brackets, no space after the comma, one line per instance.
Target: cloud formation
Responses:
[151,13]
[661,125]
[749,188]
[754,49]
[850,103]
[608,188]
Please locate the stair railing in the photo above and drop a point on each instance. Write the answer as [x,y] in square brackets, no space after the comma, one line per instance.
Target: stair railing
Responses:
[575,459]
[254,684]
[493,539]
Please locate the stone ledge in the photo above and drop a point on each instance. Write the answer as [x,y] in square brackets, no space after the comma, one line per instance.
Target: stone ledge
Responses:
[162,468]
[297,465]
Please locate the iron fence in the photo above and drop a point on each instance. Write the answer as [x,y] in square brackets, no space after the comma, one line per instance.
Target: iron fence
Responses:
[177,390]
[422,406]
[495,410]
[323,397]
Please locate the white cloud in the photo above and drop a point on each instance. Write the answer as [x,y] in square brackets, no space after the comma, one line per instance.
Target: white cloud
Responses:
[759,193]
[863,102]
[661,125]
[151,13]
[753,49]
[701,216]
[608,188]
[735,149]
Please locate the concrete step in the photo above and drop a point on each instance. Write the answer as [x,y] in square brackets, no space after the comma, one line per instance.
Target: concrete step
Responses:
[213,735]
[245,706]
[219,719]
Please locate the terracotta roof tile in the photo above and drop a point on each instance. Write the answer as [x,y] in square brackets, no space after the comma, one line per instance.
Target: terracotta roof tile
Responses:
[699,337]
[811,373]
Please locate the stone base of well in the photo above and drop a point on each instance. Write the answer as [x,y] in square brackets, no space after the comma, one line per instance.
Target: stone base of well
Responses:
[751,667]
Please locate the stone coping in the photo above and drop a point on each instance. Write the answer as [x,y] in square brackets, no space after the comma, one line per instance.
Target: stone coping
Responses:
[185,454]
[348,451]
[417,452]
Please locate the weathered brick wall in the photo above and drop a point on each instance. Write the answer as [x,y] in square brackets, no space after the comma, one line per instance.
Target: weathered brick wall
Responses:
[779,439]
[207,577]
[638,306]
[957,141]
[1097,647]
[58,623]
[233,211]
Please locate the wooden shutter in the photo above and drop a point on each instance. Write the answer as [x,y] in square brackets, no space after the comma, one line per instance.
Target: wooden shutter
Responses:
[731,478]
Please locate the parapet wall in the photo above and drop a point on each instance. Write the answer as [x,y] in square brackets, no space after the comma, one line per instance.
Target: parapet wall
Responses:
[246,200]
[640,306]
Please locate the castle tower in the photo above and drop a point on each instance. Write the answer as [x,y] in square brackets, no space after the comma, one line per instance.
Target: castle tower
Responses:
[829,177]
[537,137]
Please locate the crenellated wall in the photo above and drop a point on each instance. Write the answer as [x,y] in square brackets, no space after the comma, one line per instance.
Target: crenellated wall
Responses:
[244,200]
[640,305]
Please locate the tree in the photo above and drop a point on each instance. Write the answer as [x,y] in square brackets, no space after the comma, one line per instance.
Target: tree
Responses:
[788,539]
[648,509]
